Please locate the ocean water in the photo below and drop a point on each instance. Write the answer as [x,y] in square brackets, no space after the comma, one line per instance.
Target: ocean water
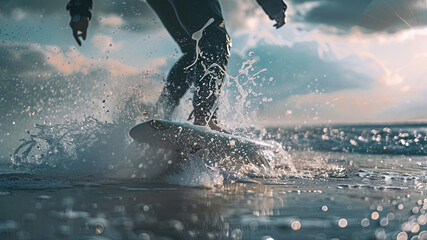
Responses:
[88,180]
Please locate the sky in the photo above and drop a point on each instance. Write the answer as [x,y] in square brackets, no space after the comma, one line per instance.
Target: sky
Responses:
[335,61]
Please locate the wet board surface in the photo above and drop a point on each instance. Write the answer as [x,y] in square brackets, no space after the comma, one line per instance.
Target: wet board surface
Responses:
[189,139]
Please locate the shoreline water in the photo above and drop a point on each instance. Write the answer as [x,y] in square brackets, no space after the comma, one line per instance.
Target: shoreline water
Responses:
[297,208]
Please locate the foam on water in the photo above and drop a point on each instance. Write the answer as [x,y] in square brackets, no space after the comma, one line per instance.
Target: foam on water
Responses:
[196,172]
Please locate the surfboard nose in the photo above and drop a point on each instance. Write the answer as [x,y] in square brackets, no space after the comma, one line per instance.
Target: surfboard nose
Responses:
[143,131]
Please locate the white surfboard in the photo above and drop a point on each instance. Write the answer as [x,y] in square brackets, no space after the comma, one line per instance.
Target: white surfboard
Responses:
[189,139]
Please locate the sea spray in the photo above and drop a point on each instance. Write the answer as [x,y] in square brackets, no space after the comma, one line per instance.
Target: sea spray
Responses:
[84,147]
[142,162]
[102,148]
[238,101]
[197,172]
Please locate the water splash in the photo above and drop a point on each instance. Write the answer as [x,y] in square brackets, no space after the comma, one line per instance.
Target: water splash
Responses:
[87,146]
[235,103]
[197,172]
[91,146]
[196,37]
[105,150]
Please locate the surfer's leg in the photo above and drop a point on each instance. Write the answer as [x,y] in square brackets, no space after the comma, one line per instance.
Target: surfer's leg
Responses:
[177,81]
[210,73]
[208,31]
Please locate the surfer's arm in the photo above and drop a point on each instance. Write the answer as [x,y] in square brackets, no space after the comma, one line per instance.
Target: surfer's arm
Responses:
[80,16]
[276,10]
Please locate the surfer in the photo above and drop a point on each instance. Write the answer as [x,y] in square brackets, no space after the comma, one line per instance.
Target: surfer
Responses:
[197,26]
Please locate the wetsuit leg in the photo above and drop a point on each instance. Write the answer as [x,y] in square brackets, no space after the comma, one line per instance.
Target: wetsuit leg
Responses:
[209,71]
[178,80]
[209,75]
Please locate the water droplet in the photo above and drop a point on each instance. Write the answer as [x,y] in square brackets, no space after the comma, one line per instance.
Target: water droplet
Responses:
[380,234]
[375,215]
[177,225]
[402,236]
[144,236]
[384,222]
[295,225]
[342,223]
[415,228]
[99,228]
[267,238]
[236,233]
[253,226]
[422,235]
[422,219]
[365,222]
[415,210]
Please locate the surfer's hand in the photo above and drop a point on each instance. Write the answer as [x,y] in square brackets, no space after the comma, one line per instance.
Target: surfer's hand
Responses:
[79,24]
[280,19]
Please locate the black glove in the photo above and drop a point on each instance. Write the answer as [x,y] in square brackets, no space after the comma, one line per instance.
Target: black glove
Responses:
[276,10]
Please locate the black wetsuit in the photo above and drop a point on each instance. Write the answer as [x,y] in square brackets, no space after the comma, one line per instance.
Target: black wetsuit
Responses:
[203,62]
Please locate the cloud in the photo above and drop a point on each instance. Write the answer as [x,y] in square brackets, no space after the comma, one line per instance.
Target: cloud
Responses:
[371,15]
[394,15]
[105,43]
[307,81]
[329,15]
[369,79]
[242,15]
[35,66]
[376,104]
[341,106]
[111,21]
[72,61]
[20,59]
[134,15]
[342,14]
[66,84]
[42,6]
[300,69]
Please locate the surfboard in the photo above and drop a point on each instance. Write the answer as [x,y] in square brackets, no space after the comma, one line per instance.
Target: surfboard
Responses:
[189,139]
